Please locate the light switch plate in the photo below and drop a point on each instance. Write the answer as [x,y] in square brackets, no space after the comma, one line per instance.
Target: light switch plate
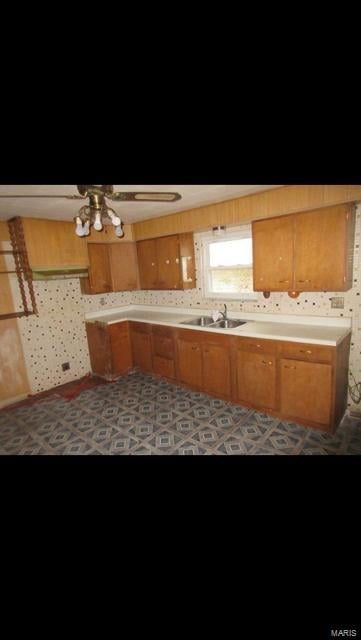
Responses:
[337,303]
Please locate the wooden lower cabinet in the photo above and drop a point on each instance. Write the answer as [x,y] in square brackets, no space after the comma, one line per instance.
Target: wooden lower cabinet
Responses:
[109,348]
[256,379]
[217,370]
[163,351]
[189,360]
[294,381]
[141,345]
[306,391]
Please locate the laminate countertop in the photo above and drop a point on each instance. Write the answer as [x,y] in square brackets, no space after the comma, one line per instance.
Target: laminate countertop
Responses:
[307,329]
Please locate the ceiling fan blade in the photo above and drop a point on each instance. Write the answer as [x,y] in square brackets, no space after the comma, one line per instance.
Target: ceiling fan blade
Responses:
[145,196]
[15,195]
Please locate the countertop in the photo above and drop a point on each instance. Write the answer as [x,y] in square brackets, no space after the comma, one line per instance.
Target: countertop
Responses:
[311,330]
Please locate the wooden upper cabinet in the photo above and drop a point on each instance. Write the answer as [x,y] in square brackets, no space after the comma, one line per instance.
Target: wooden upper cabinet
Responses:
[169,275]
[123,266]
[112,267]
[167,262]
[273,254]
[51,243]
[322,251]
[147,264]
[309,251]
[99,268]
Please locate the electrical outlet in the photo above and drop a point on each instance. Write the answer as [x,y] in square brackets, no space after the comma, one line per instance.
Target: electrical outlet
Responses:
[337,303]
[65,366]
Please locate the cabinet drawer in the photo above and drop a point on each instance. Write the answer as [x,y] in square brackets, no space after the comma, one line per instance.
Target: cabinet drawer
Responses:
[256,346]
[307,352]
[163,347]
[163,367]
[140,327]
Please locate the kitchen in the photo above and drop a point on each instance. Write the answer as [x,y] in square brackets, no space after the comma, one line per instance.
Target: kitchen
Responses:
[225,322]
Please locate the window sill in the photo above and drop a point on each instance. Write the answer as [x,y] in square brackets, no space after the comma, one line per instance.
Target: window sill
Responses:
[241,297]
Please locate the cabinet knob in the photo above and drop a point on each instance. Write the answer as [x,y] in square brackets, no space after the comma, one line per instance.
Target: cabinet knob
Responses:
[177,260]
[167,261]
[153,264]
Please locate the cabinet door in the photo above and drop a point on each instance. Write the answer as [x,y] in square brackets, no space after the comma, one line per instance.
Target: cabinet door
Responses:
[147,264]
[306,390]
[189,362]
[273,254]
[99,268]
[120,347]
[256,379]
[123,266]
[321,249]
[99,348]
[169,269]
[216,370]
[142,350]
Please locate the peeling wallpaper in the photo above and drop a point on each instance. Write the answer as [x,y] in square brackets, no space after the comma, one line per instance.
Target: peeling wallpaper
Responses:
[58,334]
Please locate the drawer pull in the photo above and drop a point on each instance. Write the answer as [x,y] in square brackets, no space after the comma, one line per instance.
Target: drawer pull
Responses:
[194,348]
[287,366]
[307,351]
[304,281]
[265,362]
[283,281]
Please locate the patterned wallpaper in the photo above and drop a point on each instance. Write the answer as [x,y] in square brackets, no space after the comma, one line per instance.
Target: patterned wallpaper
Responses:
[58,334]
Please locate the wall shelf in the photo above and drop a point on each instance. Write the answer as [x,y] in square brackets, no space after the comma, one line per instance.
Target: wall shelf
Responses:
[22,270]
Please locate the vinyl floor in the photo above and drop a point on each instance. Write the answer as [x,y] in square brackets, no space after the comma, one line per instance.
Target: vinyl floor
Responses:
[140,414]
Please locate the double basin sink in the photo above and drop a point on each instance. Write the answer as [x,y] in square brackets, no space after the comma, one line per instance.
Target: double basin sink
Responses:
[206,321]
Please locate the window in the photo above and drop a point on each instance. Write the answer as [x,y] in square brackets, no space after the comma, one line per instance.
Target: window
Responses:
[227,265]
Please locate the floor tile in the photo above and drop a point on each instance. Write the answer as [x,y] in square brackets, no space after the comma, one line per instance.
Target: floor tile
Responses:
[141,414]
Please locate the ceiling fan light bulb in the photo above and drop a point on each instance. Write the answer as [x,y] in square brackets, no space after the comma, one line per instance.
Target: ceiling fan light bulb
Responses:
[119,231]
[98,222]
[79,230]
[86,228]
[114,218]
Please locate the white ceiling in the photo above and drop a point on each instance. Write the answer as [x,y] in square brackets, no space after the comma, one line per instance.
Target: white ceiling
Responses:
[58,209]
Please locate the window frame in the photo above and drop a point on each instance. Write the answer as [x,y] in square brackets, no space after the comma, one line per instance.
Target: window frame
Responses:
[238,233]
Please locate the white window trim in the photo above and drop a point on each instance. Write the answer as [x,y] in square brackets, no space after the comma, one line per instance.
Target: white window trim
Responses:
[205,239]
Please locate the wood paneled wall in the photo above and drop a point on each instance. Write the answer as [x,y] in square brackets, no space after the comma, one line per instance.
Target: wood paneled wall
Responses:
[13,379]
[289,199]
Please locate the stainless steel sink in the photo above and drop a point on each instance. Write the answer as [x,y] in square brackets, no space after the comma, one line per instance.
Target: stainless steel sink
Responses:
[227,324]
[203,321]
[206,321]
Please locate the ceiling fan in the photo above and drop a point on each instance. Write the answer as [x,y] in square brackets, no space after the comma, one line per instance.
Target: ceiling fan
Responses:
[97,207]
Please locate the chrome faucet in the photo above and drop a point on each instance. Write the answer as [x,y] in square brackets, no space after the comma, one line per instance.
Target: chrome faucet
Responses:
[224,313]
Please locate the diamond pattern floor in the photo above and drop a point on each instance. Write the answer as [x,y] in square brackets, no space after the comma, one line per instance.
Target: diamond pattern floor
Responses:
[140,414]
